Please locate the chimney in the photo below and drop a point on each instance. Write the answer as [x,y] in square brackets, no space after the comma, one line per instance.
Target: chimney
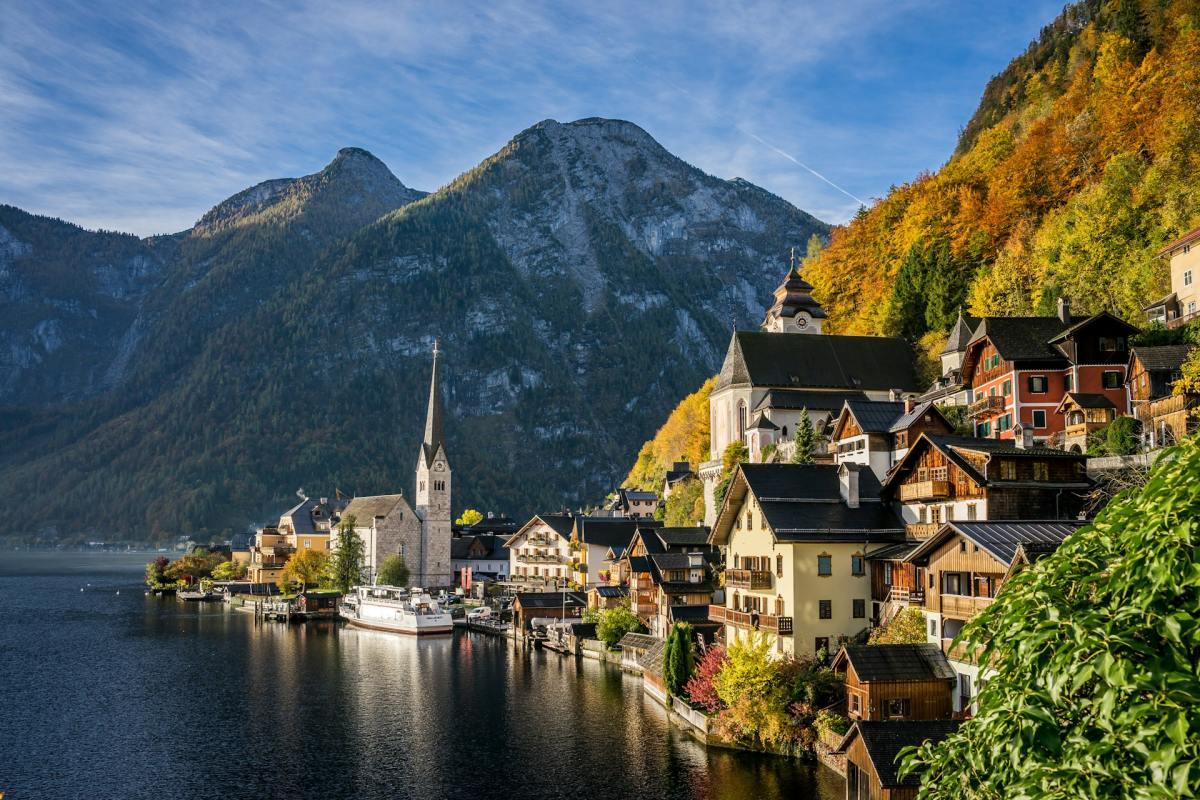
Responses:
[908,405]
[894,395]
[848,484]
[1064,310]
[1023,437]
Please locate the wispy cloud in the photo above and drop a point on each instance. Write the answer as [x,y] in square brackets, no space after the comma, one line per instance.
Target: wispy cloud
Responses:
[141,119]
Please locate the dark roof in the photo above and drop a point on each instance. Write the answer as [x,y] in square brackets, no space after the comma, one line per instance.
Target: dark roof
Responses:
[612,591]
[794,400]
[550,599]
[1103,316]
[961,333]
[639,563]
[896,662]
[800,360]
[762,423]
[692,613]
[875,417]
[434,432]
[1022,338]
[683,560]
[1189,237]
[1085,400]
[1001,539]
[493,544]
[794,295]
[883,742]
[1169,300]
[682,537]
[676,475]
[907,420]
[559,523]
[803,481]
[891,552]
[949,445]
[605,531]
[638,641]
[1164,358]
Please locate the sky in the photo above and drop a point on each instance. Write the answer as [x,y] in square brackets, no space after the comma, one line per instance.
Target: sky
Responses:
[140,117]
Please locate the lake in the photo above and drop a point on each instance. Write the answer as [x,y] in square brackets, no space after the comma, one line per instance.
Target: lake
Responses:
[107,693]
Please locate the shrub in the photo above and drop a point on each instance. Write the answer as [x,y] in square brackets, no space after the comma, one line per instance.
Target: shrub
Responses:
[907,627]
[678,660]
[701,690]
[394,571]
[614,623]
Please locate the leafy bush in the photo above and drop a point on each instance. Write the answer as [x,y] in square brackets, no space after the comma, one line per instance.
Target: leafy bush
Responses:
[701,688]
[155,572]
[907,627]
[304,568]
[827,722]
[393,571]
[1092,653]
[229,571]
[613,623]
[1123,436]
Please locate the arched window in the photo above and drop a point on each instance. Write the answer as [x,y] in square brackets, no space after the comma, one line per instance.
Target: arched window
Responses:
[741,412]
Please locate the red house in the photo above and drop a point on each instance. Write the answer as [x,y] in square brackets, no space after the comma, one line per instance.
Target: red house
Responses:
[1020,368]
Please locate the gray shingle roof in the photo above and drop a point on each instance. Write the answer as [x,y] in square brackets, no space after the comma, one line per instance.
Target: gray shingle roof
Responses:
[1164,358]
[896,662]
[1001,539]
[366,509]
[551,599]
[961,333]
[906,421]
[1085,400]
[639,641]
[612,591]
[682,537]
[793,400]
[1022,338]
[797,360]
[883,742]
[875,417]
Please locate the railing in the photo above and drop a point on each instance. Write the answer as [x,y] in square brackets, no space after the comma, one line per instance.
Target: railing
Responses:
[645,609]
[1182,319]
[745,619]
[989,404]
[748,578]
[902,594]
[961,607]
[540,559]
[957,652]
[922,530]
[924,490]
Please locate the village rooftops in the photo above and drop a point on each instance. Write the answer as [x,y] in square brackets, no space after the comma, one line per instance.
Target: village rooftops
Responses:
[874,417]
[883,742]
[960,334]
[796,399]
[1021,338]
[561,524]
[895,662]
[1002,540]
[779,360]
[1162,358]
[956,448]
[543,600]
[604,531]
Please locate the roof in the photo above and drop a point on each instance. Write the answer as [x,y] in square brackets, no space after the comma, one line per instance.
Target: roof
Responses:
[796,360]
[949,445]
[639,563]
[683,560]
[550,599]
[692,613]
[1163,358]
[1001,539]
[561,524]
[1079,325]
[961,333]
[640,641]
[896,662]
[794,400]
[1171,299]
[891,552]
[493,544]
[762,423]
[682,537]
[604,531]
[1021,338]
[883,742]
[1188,238]
[611,591]
[910,418]
[366,509]
[1085,400]
[875,417]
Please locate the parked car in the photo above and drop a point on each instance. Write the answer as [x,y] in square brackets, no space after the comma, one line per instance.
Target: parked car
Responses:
[480,613]
[457,612]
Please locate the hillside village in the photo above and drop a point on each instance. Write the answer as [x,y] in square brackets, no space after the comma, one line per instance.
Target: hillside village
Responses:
[842,500]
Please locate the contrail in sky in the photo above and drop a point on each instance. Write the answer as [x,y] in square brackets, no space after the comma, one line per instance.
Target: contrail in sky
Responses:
[801,164]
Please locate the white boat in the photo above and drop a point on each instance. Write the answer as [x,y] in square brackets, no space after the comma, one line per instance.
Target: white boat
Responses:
[395,609]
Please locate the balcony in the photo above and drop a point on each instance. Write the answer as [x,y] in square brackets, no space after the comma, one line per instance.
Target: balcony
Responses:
[921,531]
[925,490]
[906,596]
[748,579]
[987,405]
[1183,319]
[540,558]
[961,607]
[645,609]
[745,620]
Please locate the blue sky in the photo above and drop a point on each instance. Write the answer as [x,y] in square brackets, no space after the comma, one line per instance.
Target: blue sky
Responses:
[142,118]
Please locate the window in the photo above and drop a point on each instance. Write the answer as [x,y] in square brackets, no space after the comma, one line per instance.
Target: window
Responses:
[1068,382]
[952,581]
[749,521]
[984,430]
[856,565]
[887,573]
[1006,388]
[1112,379]
[826,609]
[1037,384]
[741,416]
[1039,418]
[932,622]
[972,512]
[855,707]
[899,708]
[779,566]
[1008,470]
[1004,423]
[860,609]
[1187,278]
[1041,471]
[962,546]
[824,565]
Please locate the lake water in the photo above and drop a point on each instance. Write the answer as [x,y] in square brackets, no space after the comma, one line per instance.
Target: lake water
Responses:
[107,695]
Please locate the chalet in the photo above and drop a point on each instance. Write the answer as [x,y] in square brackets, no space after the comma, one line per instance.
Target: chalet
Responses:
[634,503]
[1182,305]
[591,539]
[538,553]
[528,606]
[896,681]
[483,554]
[674,587]
[950,389]
[1083,415]
[1166,417]
[966,565]
[679,472]
[878,435]
[796,537]
[1019,369]
[601,597]
[872,750]
[305,526]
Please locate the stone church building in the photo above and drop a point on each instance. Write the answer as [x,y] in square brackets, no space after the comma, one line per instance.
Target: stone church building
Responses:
[420,533]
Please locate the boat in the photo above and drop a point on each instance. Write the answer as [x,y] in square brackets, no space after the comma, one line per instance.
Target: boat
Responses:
[395,609]
[198,595]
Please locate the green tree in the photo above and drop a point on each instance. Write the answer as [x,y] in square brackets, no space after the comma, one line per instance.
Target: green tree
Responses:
[229,571]
[907,627]
[346,566]
[614,623]
[155,570]
[393,571]
[685,506]
[806,440]
[1092,653]
[304,568]
[1123,436]
[735,453]
[468,518]
[678,658]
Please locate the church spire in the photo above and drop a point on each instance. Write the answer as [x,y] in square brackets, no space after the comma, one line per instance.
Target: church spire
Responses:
[434,436]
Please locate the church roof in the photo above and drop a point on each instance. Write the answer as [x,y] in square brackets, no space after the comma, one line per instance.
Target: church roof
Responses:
[793,296]
[961,333]
[434,432]
[366,509]
[818,361]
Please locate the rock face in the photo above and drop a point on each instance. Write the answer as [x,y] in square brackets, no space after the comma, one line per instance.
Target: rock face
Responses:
[581,280]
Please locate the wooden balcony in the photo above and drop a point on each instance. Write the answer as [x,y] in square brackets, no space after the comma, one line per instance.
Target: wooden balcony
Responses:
[925,490]
[747,579]
[645,609]
[987,405]
[964,608]
[906,596]
[781,626]
[922,530]
[958,652]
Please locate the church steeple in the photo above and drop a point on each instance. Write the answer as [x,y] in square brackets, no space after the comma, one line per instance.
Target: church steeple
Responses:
[434,436]
[794,310]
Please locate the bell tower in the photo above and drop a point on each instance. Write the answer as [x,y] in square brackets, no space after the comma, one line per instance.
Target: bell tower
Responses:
[433,493]
[794,310]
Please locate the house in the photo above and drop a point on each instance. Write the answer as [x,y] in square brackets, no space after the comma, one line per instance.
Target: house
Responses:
[796,538]
[775,377]
[1182,305]
[634,503]
[674,587]
[1166,417]
[591,539]
[878,434]
[528,606]
[601,597]
[966,565]
[483,554]
[679,472]
[950,389]
[872,750]
[896,681]
[1019,369]
[1083,415]
[538,553]
[305,526]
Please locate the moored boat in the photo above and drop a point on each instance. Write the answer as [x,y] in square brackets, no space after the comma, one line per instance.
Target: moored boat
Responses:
[395,609]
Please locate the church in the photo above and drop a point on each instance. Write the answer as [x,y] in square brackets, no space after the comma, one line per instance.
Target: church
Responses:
[389,525]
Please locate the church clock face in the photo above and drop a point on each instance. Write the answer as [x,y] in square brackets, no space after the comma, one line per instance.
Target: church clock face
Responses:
[801,321]
[439,467]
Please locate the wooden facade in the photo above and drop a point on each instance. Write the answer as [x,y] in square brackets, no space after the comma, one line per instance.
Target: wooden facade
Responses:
[862,781]
[899,699]
[934,476]
[872,750]
[963,578]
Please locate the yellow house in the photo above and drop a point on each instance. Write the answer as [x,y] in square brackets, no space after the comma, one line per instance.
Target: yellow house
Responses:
[1182,305]
[796,538]
[306,526]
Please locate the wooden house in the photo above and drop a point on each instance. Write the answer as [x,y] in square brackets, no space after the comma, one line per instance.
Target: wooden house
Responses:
[528,606]
[1083,414]
[896,681]
[1166,417]
[871,750]
[878,434]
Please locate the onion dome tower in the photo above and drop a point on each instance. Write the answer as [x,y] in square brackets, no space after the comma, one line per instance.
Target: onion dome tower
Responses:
[794,310]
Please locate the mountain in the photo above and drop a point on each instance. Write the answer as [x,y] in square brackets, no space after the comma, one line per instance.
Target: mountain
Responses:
[1078,165]
[580,280]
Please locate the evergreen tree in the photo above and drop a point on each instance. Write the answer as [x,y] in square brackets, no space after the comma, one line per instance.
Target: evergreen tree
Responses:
[806,440]
[347,564]
[678,660]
